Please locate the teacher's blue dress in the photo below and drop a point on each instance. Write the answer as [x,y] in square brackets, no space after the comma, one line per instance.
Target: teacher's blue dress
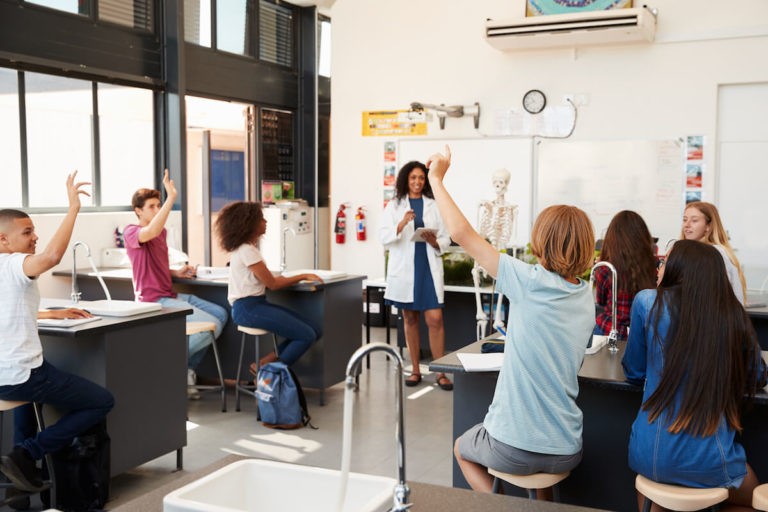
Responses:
[424,295]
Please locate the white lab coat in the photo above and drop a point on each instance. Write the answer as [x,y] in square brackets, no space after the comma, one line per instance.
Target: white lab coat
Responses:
[400,269]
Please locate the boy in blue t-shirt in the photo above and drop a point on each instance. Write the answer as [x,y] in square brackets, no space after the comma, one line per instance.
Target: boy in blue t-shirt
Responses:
[533,424]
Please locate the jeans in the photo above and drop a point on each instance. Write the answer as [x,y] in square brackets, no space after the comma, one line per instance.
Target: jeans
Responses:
[202,311]
[257,312]
[87,404]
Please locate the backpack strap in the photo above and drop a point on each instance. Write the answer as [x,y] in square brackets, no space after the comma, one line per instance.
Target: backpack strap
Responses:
[306,419]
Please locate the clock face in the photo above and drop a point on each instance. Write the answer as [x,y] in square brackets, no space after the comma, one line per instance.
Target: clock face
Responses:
[534,101]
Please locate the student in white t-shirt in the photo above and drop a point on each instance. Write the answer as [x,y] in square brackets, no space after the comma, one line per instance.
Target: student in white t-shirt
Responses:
[25,375]
[239,227]
[533,424]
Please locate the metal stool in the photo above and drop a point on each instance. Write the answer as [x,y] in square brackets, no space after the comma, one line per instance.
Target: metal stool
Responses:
[530,482]
[675,497]
[256,333]
[760,498]
[194,328]
[50,484]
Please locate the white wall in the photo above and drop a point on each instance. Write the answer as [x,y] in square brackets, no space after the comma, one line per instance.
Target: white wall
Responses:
[389,54]
[96,230]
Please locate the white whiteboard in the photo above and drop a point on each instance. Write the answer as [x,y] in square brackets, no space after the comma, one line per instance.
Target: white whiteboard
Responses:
[605,177]
[473,162]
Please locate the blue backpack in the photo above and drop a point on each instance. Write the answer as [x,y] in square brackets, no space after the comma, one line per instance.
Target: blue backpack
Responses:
[280,398]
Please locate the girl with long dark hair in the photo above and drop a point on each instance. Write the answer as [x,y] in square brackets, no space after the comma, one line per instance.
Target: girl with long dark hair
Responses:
[695,348]
[629,247]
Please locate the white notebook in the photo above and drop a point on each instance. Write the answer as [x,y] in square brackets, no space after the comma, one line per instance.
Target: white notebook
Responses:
[65,322]
[489,362]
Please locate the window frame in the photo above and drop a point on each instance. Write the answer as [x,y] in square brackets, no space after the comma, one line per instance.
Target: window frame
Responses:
[93,16]
[95,148]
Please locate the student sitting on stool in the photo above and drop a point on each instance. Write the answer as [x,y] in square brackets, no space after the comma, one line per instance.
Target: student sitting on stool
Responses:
[148,251]
[25,376]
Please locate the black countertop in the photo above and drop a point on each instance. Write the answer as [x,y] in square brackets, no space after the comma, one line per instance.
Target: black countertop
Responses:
[601,369]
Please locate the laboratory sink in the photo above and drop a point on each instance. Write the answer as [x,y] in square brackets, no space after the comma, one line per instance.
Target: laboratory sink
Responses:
[263,485]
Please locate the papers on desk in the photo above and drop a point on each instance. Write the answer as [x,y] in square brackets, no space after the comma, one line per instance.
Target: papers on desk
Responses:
[65,322]
[325,275]
[214,273]
[481,362]
[418,235]
[598,342]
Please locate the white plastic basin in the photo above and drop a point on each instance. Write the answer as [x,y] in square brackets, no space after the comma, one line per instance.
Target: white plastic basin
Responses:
[261,485]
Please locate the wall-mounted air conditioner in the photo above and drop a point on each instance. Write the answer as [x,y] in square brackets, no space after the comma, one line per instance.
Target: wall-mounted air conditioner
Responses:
[613,26]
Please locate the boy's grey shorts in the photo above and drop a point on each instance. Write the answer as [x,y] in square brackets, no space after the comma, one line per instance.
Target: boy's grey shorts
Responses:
[478,446]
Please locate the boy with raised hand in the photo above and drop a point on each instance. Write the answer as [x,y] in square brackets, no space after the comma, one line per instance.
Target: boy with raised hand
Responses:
[25,375]
[148,251]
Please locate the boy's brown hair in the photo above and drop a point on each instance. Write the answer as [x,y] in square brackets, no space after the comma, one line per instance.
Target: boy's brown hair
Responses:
[140,197]
[563,240]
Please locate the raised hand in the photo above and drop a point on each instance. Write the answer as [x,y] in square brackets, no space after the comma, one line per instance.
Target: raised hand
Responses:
[74,189]
[170,188]
[438,164]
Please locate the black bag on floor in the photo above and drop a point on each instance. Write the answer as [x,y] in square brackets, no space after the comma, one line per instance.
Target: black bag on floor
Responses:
[82,472]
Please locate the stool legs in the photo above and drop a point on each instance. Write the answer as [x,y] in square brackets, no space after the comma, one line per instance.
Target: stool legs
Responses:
[251,390]
[221,377]
[239,370]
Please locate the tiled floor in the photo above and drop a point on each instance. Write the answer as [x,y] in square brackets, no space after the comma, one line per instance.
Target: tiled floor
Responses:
[213,434]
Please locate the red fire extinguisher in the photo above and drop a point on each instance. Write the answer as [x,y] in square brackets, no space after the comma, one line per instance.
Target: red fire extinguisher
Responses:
[341,225]
[360,223]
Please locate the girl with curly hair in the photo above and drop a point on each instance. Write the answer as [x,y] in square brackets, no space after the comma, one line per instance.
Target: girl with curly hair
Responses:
[239,227]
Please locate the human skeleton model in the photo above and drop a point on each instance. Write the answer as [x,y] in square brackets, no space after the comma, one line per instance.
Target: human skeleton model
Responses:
[495,222]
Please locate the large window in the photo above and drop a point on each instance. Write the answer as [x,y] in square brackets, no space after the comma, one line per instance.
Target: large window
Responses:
[73,6]
[275,33]
[10,152]
[197,22]
[129,13]
[232,26]
[126,143]
[59,136]
[104,131]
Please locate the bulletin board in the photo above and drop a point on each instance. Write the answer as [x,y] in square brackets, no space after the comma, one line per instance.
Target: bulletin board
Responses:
[472,165]
[605,177]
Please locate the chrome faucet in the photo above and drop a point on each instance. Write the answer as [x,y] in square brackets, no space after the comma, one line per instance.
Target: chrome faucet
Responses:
[75,295]
[286,230]
[613,336]
[401,492]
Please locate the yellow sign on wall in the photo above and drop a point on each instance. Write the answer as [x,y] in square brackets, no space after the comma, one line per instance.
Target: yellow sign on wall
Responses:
[394,122]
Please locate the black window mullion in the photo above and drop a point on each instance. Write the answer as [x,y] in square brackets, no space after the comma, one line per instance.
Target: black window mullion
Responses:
[23,140]
[95,147]
[252,28]
[94,10]
[214,31]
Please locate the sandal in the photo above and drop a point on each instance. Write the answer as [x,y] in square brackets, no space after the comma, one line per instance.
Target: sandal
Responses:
[444,383]
[413,380]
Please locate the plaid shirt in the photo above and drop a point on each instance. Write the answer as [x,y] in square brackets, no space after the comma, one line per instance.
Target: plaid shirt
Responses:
[603,297]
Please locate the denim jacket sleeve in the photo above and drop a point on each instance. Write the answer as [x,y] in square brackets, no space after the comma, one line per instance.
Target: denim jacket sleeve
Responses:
[636,355]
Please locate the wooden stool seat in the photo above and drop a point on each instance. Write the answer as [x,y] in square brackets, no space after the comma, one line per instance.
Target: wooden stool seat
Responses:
[675,497]
[534,481]
[196,327]
[7,405]
[760,498]
[253,331]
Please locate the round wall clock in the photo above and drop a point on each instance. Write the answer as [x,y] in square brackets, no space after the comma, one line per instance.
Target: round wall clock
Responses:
[534,101]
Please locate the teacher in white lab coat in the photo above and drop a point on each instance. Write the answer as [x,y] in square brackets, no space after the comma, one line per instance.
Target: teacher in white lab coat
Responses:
[415,269]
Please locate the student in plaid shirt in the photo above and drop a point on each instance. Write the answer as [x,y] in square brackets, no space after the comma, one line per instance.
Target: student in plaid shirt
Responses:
[629,247]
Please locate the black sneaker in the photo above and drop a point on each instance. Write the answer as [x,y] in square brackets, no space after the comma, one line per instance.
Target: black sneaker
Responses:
[20,468]
[17,500]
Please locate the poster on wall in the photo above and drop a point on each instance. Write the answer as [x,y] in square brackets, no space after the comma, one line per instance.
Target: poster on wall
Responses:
[394,123]
[390,170]
[545,7]
[694,168]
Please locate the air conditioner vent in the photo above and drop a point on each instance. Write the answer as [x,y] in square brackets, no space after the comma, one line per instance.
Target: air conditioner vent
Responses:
[580,29]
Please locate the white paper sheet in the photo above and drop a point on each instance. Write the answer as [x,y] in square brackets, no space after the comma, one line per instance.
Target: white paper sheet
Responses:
[481,362]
